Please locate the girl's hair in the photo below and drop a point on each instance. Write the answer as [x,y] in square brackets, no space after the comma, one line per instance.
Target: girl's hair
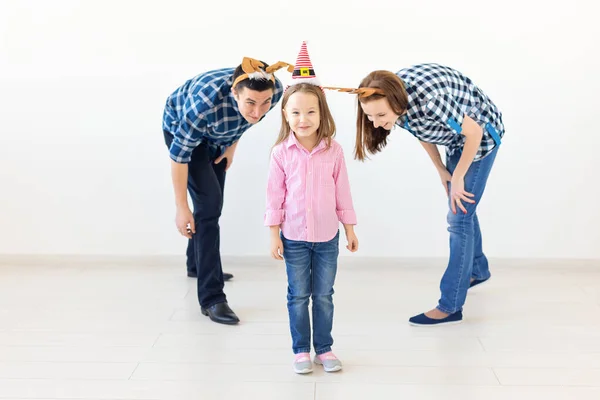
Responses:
[368,138]
[326,129]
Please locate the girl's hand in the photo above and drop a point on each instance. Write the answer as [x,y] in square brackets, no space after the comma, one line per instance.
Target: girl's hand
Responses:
[352,241]
[458,194]
[276,248]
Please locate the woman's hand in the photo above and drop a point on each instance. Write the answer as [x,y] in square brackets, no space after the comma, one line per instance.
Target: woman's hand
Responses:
[446,178]
[458,194]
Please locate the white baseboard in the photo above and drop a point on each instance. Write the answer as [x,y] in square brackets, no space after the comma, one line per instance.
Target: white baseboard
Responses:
[166,260]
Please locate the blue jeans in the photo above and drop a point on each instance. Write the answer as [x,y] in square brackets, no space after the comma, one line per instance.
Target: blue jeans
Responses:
[311,270]
[466,252]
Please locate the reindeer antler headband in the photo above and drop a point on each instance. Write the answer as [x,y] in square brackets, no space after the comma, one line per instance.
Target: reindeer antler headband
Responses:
[254,69]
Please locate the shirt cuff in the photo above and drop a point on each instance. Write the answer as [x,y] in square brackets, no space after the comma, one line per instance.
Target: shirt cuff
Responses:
[180,160]
[180,155]
[347,217]
[274,217]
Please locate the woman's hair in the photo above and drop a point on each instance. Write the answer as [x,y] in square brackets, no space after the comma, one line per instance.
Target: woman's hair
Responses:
[368,138]
[326,129]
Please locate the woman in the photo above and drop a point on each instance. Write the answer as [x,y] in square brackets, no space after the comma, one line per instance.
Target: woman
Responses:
[439,106]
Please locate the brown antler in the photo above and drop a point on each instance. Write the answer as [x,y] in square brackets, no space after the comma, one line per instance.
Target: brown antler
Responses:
[278,65]
[250,65]
[361,92]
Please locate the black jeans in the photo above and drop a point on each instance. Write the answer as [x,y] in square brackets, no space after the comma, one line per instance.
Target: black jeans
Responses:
[206,183]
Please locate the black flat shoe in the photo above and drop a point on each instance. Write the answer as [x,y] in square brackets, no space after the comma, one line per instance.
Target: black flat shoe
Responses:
[477,282]
[221,313]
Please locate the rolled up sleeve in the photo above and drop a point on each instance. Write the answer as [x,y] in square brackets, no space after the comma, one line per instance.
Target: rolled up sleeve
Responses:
[344,207]
[276,190]
[189,132]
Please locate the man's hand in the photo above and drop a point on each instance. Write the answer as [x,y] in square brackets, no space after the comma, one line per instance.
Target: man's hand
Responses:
[184,219]
[228,154]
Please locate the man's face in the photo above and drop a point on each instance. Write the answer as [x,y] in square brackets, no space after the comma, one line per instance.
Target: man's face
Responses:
[253,105]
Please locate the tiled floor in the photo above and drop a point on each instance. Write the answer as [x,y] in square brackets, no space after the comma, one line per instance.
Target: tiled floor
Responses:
[76,328]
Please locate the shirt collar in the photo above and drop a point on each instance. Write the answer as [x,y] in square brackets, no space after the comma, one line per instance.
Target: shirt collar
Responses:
[292,140]
[231,98]
[403,120]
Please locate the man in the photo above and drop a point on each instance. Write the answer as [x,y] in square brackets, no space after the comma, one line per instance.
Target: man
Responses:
[202,123]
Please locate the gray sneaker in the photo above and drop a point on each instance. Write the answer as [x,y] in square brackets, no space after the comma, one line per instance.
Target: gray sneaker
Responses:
[302,365]
[329,363]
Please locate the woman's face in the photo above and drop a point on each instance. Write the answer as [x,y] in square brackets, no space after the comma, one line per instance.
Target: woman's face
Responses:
[380,113]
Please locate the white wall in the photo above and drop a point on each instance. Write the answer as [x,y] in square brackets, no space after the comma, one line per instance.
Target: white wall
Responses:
[83,168]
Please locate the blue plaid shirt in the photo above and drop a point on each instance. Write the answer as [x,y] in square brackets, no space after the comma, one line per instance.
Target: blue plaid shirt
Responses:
[204,110]
[438,99]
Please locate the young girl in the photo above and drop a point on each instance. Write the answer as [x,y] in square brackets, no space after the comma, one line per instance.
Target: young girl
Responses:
[308,196]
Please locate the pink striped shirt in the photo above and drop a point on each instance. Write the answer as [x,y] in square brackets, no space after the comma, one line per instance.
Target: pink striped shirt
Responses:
[308,194]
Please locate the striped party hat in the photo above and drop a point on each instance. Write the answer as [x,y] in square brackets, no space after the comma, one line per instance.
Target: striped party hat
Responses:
[303,70]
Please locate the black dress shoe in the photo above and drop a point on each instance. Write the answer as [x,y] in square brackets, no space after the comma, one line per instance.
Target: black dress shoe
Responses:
[226,276]
[221,313]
